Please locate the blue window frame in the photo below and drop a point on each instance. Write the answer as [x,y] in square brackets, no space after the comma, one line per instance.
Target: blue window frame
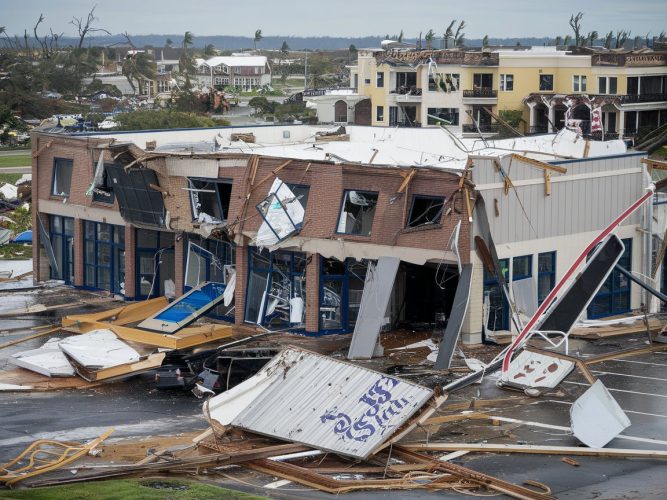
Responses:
[357,212]
[104,256]
[341,287]
[614,295]
[213,258]
[522,267]
[61,181]
[62,241]
[498,312]
[154,263]
[546,274]
[276,291]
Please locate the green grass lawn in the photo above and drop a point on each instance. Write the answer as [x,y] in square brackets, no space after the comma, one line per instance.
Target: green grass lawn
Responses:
[16,161]
[11,178]
[139,489]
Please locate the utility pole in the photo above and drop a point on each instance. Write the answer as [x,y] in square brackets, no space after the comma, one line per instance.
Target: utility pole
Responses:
[305,74]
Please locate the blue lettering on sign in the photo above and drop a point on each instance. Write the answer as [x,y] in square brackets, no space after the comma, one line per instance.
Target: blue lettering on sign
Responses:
[381,408]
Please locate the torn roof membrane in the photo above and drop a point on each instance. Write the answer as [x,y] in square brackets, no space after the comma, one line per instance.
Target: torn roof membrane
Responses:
[405,147]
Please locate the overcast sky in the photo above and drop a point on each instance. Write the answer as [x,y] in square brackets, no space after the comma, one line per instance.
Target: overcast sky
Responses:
[496,18]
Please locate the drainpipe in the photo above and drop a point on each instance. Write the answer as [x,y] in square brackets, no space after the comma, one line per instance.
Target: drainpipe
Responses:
[647,230]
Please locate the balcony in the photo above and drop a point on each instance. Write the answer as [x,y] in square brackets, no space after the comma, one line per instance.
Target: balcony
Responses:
[405,124]
[484,128]
[639,98]
[480,96]
[407,94]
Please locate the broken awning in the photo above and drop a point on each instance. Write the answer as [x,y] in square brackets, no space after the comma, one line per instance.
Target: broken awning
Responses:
[186,308]
[282,213]
[312,399]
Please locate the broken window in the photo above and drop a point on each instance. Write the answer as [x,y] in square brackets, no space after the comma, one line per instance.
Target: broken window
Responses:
[495,306]
[213,261]
[506,83]
[356,216]
[301,193]
[546,83]
[61,235]
[62,177]
[579,83]
[103,193]
[522,267]
[209,199]
[425,210]
[139,203]
[342,286]
[282,212]
[379,113]
[449,115]
[276,295]
[380,79]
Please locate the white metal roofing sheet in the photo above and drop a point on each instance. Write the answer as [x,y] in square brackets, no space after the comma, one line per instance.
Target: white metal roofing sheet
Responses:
[322,402]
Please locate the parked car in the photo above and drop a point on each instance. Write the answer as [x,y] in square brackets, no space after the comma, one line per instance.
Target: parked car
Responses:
[230,367]
[180,370]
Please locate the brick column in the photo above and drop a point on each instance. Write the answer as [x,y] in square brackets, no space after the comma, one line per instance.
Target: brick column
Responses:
[130,262]
[313,293]
[36,237]
[179,263]
[241,283]
[78,252]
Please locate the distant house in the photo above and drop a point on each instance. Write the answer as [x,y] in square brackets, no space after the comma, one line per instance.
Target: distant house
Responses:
[244,72]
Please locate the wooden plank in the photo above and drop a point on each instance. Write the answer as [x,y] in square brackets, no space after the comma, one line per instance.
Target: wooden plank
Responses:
[657,164]
[406,180]
[29,337]
[537,449]
[446,419]
[41,149]
[587,148]
[547,183]
[151,362]
[539,164]
[466,194]
[273,173]
[625,354]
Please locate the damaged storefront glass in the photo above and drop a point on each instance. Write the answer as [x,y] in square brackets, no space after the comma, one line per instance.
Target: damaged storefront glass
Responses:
[357,212]
[276,296]
[138,200]
[341,289]
[155,263]
[212,261]
[62,241]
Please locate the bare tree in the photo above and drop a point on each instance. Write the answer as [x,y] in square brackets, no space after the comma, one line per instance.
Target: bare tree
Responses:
[86,27]
[575,23]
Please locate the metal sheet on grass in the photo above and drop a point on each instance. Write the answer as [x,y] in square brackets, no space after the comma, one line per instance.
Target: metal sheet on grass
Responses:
[312,399]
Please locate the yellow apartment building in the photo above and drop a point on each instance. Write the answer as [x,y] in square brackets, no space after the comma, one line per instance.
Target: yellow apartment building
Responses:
[466,90]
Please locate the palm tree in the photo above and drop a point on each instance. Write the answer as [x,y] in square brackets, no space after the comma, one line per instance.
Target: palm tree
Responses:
[458,36]
[185,62]
[138,67]
[258,37]
[485,41]
[449,33]
[575,23]
[428,37]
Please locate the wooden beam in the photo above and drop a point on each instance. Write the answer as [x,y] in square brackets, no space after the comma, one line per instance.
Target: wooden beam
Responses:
[407,178]
[375,153]
[41,149]
[537,449]
[160,189]
[587,148]
[539,164]
[547,183]
[466,194]
[625,354]
[273,173]
[464,174]
[446,419]
[659,165]
[29,337]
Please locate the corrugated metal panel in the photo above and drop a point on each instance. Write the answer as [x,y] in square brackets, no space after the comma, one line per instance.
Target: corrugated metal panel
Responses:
[576,205]
[322,402]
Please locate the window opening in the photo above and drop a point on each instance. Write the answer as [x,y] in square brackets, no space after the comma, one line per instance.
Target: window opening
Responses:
[209,199]
[425,210]
[357,213]
[62,177]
